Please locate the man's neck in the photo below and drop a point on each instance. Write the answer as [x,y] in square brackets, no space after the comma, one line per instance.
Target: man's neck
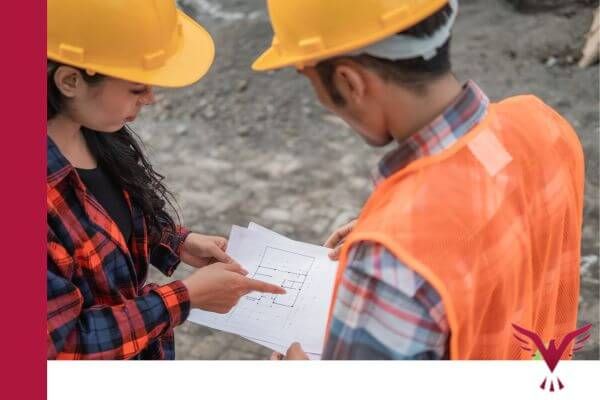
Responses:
[423,108]
[69,139]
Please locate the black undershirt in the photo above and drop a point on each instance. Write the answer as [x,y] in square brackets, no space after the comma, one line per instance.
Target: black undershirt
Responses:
[110,196]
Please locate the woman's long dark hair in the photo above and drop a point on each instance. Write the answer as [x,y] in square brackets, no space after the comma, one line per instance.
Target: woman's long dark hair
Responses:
[120,155]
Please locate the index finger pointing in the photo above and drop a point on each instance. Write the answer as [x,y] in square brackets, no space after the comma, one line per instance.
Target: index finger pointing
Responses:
[260,286]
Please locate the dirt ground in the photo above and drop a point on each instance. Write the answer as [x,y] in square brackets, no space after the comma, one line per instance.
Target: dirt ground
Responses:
[241,146]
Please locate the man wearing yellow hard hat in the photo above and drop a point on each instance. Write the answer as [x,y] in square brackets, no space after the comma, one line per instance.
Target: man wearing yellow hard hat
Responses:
[475,220]
[107,207]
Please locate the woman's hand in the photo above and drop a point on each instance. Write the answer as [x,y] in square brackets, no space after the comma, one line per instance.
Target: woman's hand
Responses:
[218,287]
[295,352]
[337,238]
[200,250]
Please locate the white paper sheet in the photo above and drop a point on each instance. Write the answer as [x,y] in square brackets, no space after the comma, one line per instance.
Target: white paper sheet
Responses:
[300,315]
[280,349]
[253,226]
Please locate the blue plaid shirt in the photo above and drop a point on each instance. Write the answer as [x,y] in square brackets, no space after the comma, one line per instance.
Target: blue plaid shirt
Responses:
[385,310]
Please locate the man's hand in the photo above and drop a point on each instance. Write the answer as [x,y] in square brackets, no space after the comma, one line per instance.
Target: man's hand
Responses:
[200,250]
[218,287]
[337,238]
[295,352]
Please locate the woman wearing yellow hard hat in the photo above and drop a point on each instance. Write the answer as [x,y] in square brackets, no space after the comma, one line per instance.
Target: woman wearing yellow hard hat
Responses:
[107,207]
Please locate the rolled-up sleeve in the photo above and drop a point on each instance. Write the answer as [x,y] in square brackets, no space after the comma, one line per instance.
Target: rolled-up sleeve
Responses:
[166,255]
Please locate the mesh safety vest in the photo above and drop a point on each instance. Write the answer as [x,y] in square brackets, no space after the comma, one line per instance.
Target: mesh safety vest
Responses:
[494,224]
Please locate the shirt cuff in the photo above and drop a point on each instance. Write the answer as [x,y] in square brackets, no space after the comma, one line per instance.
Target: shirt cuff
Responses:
[176,298]
[166,256]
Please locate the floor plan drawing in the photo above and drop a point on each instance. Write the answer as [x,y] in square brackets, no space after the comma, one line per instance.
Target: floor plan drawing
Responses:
[286,269]
[306,273]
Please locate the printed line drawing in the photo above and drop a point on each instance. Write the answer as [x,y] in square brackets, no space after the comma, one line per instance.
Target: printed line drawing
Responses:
[286,269]
[274,321]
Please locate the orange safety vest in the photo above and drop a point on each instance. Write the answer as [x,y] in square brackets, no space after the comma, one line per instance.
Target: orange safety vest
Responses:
[493,224]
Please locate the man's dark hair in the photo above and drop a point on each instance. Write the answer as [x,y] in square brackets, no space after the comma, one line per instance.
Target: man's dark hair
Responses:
[414,73]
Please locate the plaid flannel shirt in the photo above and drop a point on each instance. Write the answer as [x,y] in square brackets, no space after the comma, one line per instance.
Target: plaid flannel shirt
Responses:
[385,310]
[98,304]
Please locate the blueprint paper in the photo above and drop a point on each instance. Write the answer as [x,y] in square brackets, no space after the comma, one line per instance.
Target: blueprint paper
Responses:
[304,270]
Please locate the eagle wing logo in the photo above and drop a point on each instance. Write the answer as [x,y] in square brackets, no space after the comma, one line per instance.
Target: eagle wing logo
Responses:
[553,352]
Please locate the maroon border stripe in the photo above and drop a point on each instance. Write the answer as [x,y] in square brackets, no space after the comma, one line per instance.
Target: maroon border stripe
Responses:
[22,232]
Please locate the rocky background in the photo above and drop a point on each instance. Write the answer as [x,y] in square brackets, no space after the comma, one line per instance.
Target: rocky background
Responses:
[241,146]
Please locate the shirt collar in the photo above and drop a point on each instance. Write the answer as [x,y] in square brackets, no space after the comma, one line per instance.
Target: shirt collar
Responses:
[458,119]
[58,166]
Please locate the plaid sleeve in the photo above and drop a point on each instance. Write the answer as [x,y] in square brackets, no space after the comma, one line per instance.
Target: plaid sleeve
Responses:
[384,310]
[78,332]
[166,255]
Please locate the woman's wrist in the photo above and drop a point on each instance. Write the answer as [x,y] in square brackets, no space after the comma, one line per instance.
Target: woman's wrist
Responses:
[183,234]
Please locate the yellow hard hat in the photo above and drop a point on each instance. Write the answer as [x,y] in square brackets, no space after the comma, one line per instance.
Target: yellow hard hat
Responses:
[306,31]
[144,41]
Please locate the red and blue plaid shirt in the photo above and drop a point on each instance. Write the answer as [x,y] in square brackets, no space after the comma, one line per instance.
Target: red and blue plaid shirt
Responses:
[99,306]
[385,310]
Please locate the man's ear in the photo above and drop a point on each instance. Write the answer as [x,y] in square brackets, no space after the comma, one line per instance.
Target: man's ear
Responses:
[68,80]
[350,82]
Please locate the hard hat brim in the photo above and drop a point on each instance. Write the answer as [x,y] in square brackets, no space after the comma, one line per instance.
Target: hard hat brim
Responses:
[273,58]
[189,63]
[269,60]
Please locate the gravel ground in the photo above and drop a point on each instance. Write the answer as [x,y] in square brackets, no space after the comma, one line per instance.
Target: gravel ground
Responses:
[241,146]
